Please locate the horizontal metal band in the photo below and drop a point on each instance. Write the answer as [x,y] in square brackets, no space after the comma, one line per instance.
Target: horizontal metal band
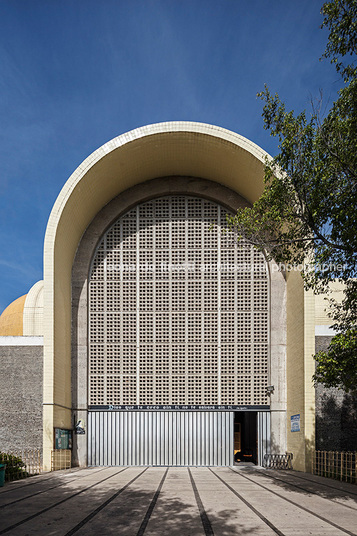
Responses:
[177,407]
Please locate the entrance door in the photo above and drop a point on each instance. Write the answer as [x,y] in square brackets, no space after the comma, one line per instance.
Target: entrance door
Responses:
[245,436]
[251,436]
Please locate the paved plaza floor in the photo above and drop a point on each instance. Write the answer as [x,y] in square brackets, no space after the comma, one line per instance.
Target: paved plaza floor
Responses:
[182,501]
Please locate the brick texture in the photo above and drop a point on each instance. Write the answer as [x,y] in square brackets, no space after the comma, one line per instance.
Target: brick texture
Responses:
[21,397]
[336,414]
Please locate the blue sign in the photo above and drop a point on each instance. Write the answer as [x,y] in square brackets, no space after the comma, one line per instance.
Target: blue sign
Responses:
[295,423]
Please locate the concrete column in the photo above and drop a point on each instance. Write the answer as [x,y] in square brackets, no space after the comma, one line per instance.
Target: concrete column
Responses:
[278,359]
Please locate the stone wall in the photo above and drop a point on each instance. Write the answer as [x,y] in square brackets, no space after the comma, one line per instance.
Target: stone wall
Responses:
[336,415]
[21,372]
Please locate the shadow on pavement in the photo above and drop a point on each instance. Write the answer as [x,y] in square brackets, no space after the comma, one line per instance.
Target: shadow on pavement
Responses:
[300,483]
[60,506]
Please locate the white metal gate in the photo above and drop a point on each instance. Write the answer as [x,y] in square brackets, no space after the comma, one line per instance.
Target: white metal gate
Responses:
[165,438]
[263,429]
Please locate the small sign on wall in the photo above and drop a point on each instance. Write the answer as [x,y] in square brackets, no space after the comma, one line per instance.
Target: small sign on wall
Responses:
[295,423]
[79,427]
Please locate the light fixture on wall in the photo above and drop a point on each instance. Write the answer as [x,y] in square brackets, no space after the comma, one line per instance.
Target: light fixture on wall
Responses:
[269,390]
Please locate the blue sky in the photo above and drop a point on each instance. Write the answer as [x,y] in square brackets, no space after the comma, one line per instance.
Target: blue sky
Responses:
[77,73]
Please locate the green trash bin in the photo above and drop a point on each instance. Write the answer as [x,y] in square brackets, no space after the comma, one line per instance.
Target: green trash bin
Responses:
[2,474]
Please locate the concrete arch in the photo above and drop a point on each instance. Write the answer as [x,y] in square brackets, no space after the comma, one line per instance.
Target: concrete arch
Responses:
[160,150]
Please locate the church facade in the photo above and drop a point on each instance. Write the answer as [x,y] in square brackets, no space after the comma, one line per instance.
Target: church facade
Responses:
[155,337]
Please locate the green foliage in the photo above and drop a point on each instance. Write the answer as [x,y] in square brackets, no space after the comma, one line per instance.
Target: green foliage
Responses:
[15,467]
[308,209]
[338,366]
[341,20]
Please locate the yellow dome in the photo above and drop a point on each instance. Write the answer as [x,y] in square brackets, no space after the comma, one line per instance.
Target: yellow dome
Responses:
[11,320]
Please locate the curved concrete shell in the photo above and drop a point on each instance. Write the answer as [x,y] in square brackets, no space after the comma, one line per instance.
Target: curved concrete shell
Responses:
[173,149]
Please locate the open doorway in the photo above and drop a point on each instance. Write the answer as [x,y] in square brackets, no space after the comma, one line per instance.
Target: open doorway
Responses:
[245,437]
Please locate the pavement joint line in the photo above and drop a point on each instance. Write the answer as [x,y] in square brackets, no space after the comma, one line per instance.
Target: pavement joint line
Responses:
[27,483]
[44,490]
[49,475]
[304,489]
[207,527]
[323,483]
[247,503]
[103,505]
[58,503]
[296,504]
[152,505]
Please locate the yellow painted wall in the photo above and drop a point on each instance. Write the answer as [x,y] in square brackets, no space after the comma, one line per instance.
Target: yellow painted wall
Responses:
[300,368]
[309,369]
[295,366]
[321,303]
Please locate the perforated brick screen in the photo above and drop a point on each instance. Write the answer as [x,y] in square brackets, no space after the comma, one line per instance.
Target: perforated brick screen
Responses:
[178,311]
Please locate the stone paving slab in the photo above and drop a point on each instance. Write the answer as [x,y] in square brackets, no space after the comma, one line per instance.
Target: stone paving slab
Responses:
[311,503]
[178,501]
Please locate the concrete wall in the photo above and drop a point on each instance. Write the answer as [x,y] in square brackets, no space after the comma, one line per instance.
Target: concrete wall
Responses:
[20,394]
[336,414]
[278,350]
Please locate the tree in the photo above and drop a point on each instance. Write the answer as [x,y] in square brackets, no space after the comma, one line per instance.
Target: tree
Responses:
[308,209]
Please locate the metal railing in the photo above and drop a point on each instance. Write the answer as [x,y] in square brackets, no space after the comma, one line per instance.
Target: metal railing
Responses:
[333,464]
[278,461]
[21,463]
[61,459]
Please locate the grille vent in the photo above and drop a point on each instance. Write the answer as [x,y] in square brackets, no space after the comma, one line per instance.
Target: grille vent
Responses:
[178,312]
